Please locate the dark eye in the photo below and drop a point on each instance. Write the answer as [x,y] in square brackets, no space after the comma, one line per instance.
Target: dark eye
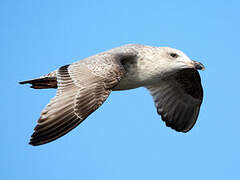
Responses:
[174,55]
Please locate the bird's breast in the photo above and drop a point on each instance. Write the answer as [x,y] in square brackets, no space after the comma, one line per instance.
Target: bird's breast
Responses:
[136,76]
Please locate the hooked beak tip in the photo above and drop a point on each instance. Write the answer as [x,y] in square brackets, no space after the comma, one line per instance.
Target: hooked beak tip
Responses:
[198,65]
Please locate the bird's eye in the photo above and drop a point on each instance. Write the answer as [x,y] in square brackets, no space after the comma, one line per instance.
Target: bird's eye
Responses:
[174,55]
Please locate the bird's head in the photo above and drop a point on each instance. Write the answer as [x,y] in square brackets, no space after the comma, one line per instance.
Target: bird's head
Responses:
[177,60]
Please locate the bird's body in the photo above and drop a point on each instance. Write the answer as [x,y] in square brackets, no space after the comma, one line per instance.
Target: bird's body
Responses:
[169,75]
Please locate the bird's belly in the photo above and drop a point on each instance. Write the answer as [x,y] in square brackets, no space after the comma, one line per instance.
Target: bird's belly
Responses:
[132,82]
[135,77]
[126,84]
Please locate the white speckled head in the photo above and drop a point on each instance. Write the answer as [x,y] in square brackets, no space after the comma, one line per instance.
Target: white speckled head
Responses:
[177,60]
[161,61]
[155,63]
[174,58]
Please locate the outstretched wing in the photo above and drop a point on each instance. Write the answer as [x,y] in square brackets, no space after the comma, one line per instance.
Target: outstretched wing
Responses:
[82,88]
[178,99]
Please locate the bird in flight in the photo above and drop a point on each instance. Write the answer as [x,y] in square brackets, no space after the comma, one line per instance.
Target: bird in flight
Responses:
[171,77]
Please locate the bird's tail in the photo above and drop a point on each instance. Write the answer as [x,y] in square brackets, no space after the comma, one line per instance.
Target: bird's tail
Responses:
[42,82]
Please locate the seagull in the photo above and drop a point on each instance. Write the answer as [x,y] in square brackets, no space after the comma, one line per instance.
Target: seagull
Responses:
[170,76]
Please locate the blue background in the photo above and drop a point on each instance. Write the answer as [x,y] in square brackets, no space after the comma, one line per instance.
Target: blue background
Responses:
[125,138]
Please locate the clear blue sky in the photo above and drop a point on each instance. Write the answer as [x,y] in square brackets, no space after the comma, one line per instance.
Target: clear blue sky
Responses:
[125,138]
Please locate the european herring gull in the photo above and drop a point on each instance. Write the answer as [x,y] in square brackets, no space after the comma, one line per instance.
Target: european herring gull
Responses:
[170,76]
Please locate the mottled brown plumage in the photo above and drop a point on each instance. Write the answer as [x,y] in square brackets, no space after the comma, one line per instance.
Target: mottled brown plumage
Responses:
[170,76]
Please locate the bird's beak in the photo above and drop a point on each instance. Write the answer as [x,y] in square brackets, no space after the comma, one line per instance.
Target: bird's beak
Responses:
[197,65]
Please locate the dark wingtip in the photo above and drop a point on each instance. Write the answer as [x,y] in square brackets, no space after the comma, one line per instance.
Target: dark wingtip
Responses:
[32,143]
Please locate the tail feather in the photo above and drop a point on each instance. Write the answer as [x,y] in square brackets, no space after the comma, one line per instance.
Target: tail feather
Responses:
[42,83]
